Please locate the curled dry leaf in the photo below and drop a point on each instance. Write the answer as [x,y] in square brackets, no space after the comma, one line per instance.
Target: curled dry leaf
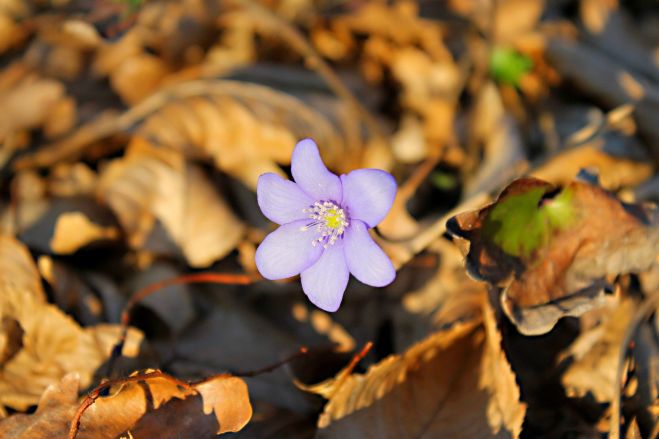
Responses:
[614,172]
[144,407]
[74,230]
[41,342]
[148,185]
[595,354]
[28,104]
[551,248]
[604,143]
[456,383]
[245,129]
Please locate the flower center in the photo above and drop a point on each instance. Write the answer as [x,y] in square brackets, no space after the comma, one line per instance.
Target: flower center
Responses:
[330,221]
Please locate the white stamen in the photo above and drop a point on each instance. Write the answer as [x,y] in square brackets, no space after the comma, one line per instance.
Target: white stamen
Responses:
[329,220]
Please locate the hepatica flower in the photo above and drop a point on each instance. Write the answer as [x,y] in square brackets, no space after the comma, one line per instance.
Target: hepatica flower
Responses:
[324,221]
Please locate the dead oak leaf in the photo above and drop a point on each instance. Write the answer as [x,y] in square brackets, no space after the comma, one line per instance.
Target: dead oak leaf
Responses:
[456,383]
[551,248]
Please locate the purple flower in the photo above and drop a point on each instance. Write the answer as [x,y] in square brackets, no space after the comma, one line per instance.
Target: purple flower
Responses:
[324,226]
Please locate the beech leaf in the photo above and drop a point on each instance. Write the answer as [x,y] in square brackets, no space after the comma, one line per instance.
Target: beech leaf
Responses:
[41,343]
[156,406]
[550,248]
[456,383]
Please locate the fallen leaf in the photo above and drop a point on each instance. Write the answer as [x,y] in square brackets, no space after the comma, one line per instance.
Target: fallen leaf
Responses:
[28,104]
[551,248]
[69,180]
[455,383]
[18,269]
[595,354]
[74,230]
[499,134]
[614,172]
[149,185]
[156,405]
[245,129]
[137,77]
[52,343]
[218,342]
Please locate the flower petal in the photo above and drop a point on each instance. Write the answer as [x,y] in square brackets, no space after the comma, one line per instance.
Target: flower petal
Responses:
[325,282]
[310,173]
[287,251]
[368,194]
[365,259]
[281,201]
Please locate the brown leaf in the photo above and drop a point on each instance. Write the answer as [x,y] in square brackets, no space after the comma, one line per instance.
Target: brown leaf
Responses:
[52,343]
[245,130]
[551,248]
[137,77]
[157,405]
[74,230]
[614,172]
[456,383]
[148,185]
[57,404]
[18,269]
[499,134]
[595,354]
[28,104]
[214,406]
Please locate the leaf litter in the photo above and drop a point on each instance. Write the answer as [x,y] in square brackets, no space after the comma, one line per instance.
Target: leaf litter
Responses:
[132,138]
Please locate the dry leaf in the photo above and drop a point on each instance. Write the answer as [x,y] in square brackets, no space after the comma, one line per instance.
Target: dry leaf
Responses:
[69,180]
[245,129]
[52,343]
[499,134]
[596,352]
[148,185]
[456,383]
[156,406]
[137,77]
[551,248]
[28,105]
[614,172]
[74,230]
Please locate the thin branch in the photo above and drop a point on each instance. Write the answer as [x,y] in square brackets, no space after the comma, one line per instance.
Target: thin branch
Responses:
[111,123]
[301,352]
[94,394]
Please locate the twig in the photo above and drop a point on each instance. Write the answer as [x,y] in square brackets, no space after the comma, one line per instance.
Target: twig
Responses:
[111,123]
[94,394]
[216,278]
[301,352]
[419,176]
[345,373]
[402,252]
